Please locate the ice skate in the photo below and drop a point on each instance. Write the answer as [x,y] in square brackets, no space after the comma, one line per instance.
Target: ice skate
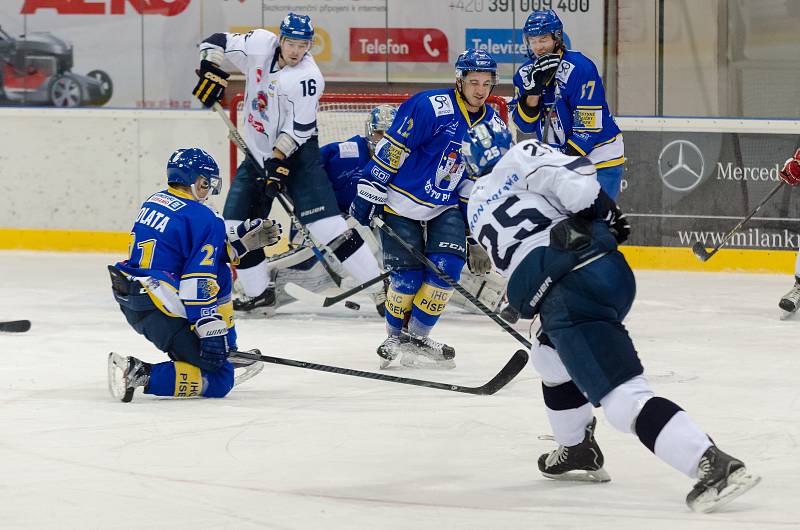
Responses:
[581,462]
[245,369]
[791,300]
[421,349]
[390,349]
[125,374]
[266,302]
[721,478]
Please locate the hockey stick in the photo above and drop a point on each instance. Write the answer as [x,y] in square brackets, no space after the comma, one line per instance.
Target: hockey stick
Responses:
[237,139]
[704,255]
[503,377]
[15,326]
[454,284]
[295,291]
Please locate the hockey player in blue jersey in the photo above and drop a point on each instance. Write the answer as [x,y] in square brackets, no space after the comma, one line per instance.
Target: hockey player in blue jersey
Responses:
[563,87]
[416,180]
[175,286]
[345,161]
[551,229]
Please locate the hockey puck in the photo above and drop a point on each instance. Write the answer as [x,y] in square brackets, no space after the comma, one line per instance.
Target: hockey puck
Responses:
[351,305]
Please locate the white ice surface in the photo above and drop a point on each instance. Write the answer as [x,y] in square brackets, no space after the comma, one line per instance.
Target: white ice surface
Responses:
[296,448]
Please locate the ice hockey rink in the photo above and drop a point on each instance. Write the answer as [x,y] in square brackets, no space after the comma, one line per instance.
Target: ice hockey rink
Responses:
[298,449]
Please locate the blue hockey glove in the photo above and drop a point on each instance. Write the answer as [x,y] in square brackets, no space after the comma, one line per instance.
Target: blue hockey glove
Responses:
[213,344]
[368,202]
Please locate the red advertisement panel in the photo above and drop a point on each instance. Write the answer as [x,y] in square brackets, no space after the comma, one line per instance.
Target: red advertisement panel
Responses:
[425,45]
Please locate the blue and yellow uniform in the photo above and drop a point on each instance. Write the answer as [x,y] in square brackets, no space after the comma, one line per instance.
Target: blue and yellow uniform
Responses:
[580,121]
[419,161]
[177,272]
[343,163]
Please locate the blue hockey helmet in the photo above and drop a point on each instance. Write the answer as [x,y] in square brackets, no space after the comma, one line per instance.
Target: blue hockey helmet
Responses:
[185,166]
[379,120]
[298,27]
[544,22]
[483,146]
[473,60]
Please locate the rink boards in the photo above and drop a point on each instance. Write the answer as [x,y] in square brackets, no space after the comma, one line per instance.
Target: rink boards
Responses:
[686,179]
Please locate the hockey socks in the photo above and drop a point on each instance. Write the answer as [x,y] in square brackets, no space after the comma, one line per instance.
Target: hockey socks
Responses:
[180,379]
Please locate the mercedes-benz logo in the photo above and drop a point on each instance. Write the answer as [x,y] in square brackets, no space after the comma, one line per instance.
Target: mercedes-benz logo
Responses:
[681,165]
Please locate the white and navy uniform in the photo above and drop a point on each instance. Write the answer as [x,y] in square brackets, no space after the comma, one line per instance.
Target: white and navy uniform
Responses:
[284,101]
[277,100]
[582,291]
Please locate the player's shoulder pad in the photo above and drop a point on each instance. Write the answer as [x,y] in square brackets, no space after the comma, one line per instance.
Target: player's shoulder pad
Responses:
[437,102]
[574,63]
[259,37]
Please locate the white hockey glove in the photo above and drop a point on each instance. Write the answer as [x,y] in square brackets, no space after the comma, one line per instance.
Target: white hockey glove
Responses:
[477,258]
[253,234]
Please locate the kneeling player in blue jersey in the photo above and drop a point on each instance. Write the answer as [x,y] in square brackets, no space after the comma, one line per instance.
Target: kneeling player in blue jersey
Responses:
[416,180]
[175,286]
[552,230]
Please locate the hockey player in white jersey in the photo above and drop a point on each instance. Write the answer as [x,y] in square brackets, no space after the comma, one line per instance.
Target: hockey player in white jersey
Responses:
[282,91]
[551,229]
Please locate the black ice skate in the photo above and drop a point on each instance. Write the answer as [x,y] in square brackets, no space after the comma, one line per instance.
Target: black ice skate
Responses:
[421,347]
[249,303]
[582,462]
[390,349]
[791,300]
[722,478]
[125,374]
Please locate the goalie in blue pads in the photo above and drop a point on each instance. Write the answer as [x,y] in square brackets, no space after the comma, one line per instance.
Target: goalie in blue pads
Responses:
[175,286]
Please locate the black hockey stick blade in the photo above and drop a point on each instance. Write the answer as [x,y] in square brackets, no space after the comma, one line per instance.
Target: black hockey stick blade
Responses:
[701,252]
[513,367]
[15,326]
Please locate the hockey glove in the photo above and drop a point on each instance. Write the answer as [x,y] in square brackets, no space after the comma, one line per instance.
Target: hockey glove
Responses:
[211,86]
[368,202]
[213,345]
[618,224]
[277,174]
[251,235]
[790,173]
[542,72]
[477,259]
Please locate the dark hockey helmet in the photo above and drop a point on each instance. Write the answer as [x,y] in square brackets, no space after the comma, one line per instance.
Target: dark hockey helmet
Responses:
[542,23]
[473,60]
[483,146]
[379,120]
[185,166]
[298,27]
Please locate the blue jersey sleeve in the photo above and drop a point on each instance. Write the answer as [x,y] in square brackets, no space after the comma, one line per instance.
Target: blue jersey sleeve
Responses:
[586,99]
[412,126]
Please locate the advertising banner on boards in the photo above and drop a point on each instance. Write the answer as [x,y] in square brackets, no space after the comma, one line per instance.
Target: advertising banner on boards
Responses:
[683,187]
[142,53]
